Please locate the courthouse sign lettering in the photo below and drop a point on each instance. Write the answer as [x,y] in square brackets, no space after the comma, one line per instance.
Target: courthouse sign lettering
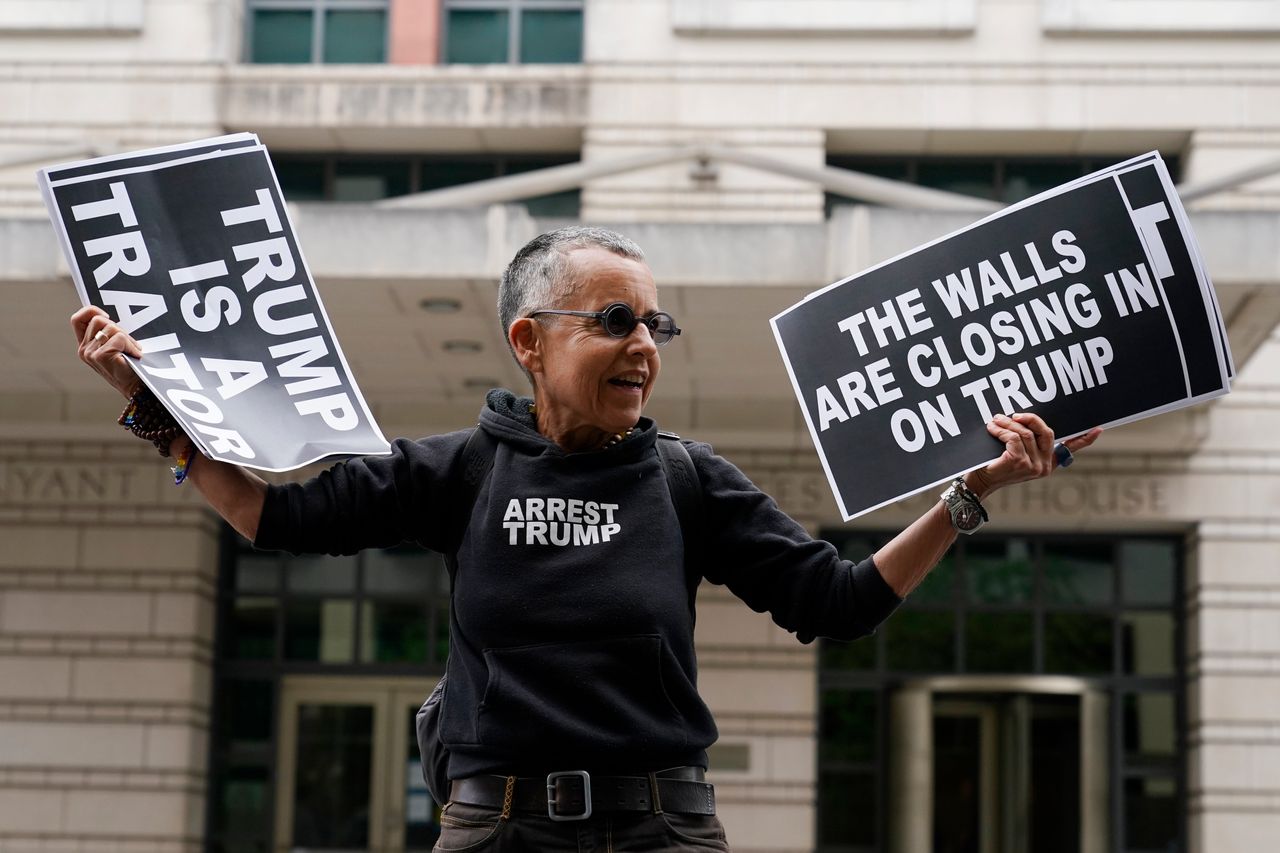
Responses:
[53,484]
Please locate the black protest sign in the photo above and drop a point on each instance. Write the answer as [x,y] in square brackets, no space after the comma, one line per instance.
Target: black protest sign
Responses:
[197,259]
[1084,305]
[150,157]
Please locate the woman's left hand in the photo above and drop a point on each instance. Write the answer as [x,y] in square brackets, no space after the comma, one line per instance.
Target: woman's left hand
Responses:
[1028,450]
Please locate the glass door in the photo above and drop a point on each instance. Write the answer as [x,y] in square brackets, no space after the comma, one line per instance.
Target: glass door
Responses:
[987,765]
[1006,774]
[350,779]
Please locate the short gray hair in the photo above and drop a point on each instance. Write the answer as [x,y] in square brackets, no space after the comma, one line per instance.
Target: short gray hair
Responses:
[538,276]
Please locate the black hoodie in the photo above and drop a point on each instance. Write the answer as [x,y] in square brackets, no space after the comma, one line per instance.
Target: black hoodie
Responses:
[571,636]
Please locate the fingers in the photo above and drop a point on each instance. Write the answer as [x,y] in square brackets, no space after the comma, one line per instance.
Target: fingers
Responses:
[80,319]
[103,337]
[1043,435]
[90,339]
[1028,447]
[1026,450]
[87,322]
[1080,442]
[122,342]
[1026,436]
[104,347]
[93,337]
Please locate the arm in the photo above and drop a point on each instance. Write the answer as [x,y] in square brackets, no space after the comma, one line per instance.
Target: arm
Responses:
[234,493]
[375,501]
[770,562]
[1028,455]
[369,502]
[237,494]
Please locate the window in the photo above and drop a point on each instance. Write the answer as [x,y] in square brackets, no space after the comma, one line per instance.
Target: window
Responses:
[847,789]
[307,31]
[1107,609]
[380,607]
[322,177]
[380,613]
[512,31]
[1002,179]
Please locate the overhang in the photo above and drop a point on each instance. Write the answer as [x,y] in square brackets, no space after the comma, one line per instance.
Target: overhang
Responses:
[426,369]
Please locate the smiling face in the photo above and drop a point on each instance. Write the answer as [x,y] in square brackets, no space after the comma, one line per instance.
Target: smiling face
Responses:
[588,385]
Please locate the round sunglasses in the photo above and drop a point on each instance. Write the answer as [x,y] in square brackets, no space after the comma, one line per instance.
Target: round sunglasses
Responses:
[618,320]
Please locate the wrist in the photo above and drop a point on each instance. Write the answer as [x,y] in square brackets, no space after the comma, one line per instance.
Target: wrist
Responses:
[964,507]
[147,418]
[180,444]
[979,483]
[184,457]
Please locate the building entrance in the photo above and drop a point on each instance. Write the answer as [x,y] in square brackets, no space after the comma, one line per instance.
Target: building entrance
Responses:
[1006,774]
[350,778]
[1087,630]
[1000,766]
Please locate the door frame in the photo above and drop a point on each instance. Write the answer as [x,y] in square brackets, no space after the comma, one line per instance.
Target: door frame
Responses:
[911,753]
[388,696]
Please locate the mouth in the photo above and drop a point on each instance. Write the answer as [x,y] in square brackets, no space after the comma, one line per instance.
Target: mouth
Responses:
[629,380]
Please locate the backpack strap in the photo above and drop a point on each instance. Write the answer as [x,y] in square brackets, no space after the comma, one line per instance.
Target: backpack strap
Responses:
[686,494]
[474,467]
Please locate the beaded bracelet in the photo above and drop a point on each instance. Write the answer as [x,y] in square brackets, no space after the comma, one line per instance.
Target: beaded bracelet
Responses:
[185,458]
[146,418]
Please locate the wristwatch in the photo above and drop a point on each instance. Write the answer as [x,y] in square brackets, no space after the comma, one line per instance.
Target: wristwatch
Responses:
[967,512]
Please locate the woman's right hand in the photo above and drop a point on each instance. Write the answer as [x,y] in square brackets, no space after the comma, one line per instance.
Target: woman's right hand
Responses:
[104,346]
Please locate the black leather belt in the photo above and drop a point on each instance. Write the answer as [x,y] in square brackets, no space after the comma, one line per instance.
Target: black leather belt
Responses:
[577,795]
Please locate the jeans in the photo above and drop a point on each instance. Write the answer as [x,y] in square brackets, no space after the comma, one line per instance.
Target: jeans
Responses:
[465,827]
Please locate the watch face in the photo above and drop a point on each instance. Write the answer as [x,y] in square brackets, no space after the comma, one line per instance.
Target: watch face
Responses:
[967,517]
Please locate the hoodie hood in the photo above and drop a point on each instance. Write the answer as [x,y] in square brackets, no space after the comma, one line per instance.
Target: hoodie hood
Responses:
[500,401]
[508,418]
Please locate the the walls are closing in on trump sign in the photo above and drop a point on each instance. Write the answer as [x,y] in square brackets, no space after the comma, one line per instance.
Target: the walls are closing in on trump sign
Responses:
[1087,305]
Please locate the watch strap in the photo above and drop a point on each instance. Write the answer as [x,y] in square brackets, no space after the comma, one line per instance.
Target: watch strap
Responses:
[969,495]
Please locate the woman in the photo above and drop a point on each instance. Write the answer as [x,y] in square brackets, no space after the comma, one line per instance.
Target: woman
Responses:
[572,710]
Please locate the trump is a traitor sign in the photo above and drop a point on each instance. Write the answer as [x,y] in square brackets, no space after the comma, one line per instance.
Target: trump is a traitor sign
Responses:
[190,250]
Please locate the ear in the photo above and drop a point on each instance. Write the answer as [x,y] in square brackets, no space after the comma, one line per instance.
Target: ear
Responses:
[526,343]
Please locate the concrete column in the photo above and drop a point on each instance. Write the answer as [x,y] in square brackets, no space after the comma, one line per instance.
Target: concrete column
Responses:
[1233,645]
[911,771]
[1095,773]
[1218,152]
[106,642]
[762,687]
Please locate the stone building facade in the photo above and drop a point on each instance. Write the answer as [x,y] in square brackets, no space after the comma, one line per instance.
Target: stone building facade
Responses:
[161,688]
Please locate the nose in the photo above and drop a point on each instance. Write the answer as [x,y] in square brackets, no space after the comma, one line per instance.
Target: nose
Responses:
[640,341]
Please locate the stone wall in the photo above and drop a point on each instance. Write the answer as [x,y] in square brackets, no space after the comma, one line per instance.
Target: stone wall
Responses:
[106,644]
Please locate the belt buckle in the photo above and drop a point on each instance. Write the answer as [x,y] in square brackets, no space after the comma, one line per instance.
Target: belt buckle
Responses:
[551,794]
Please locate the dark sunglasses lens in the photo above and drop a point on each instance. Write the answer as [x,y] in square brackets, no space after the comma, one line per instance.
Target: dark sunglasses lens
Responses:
[618,320]
[663,328]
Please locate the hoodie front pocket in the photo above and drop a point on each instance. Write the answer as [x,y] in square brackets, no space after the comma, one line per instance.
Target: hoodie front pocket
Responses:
[578,696]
